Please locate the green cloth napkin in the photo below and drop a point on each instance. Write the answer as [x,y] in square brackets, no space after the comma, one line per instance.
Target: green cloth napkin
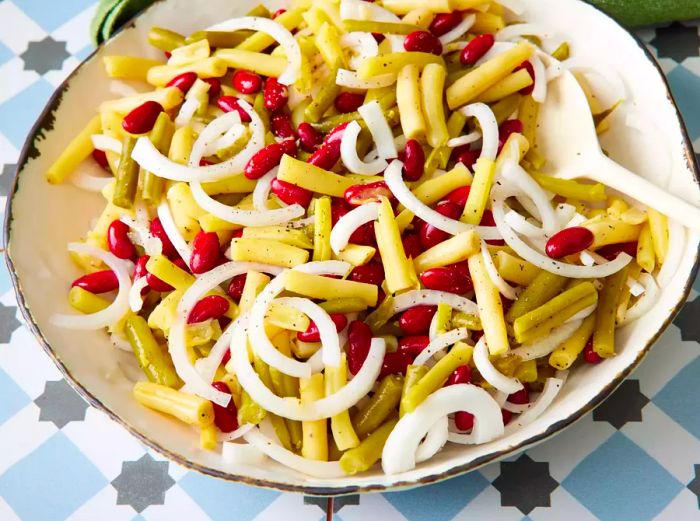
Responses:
[112,14]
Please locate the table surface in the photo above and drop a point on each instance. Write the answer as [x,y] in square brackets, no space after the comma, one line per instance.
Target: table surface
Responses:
[636,457]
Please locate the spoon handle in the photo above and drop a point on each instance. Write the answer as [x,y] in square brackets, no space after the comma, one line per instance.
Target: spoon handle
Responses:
[618,177]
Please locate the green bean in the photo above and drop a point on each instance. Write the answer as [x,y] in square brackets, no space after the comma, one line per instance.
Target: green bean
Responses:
[344,305]
[382,404]
[472,322]
[562,52]
[571,189]
[127,177]
[455,125]
[379,27]
[154,361]
[604,332]
[381,315]
[219,39]
[278,422]
[368,452]
[323,100]
[160,136]
[542,288]
[259,106]
[432,161]
[250,412]
[165,39]
[455,76]
[504,108]
[413,374]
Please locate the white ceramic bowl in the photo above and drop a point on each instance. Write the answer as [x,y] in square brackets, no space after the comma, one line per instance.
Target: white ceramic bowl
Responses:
[42,218]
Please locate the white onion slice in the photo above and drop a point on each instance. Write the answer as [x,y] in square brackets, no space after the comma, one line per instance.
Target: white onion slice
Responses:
[331,267]
[212,133]
[522,225]
[352,80]
[278,32]
[636,289]
[516,408]
[520,179]
[489,128]
[350,222]
[238,433]
[112,313]
[348,153]
[676,243]
[90,176]
[430,297]
[544,346]
[186,112]
[645,302]
[459,30]
[379,128]
[142,235]
[495,50]
[122,89]
[232,135]
[135,298]
[539,92]
[120,343]
[262,190]
[582,314]
[551,388]
[394,180]
[492,375]
[106,143]
[363,44]
[434,440]
[306,466]
[504,288]
[359,10]
[441,342]
[524,29]
[242,454]
[399,453]
[586,258]
[467,139]
[171,230]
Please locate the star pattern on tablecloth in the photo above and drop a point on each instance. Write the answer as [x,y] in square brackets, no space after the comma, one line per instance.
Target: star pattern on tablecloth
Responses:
[320,502]
[342,501]
[624,405]
[45,55]
[8,322]
[687,321]
[142,483]
[6,178]
[525,484]
[694,486]
[60,404]
[676,41]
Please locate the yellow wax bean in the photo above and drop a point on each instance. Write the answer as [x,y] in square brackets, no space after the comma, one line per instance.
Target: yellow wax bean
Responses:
[253,61]
[528,113]
[484,172]
[391,250]
[394,62]
[443,318]
[414,373]
[464,320]
[381,315]
[526,372]
[514,269]
[161,267]
[604,332]
[254,284]
[304,350]
[356,254]
[435,378]
[249,411]
[211,223]
[455,125]
[278,423]
[514,149]
[315,18]
[316,286]
[514,82]
[488,301]
[261,41]
[646,256]
[611,231]
[344,305]
[267,251]
[565,355]
[570,188]
[633,272]
[380,406]
[432,85]
[292,236]
[328,45]
[379,27]
[562,52]
[433,190]
[190,53]
[616,207]
[658,226]
[368,452]
[420,17]
[169,97]
[315,441]
[287,317]
[208,68]
[128,67]
[487,23]
[408,98]
[312,177]
[505,108]
[185,210]
[165,39]
[86,302]
[186,407]
[237,184]
[543,288]
[322,230]
[341,426]
[74,153]
[456,249]
[478,80]
[181,145]
[208,437]
[435,6]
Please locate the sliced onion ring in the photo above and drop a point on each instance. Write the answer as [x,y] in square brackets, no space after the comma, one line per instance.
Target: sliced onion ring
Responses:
[441,342]
[171,230]
[352,80]
[106,143]
[645,302]
[489,128]
[551,388]
[431,297]
[459,30]
[262,190]
[544,346]
[135,298]
[350,222]
[348,153]
[504,288]
[379,128]
[492,375]
[434,440]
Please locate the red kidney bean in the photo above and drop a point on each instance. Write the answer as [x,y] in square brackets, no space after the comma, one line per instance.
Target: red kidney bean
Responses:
[508,127]
[291,193]
[140,270]
[445,22]
[611,251]
[225,418]
[357,195]
[468,158]
[309,138]
[428,234]
[416,321]
[414,161]
[372,273]
[531,71]
[100,158]
[506,416]
[263,161]
[476,49]
[142,118]
[156,228]
[568,241]
[281,125]
[205,252]
[395,363]
[346,102]
[118,240]
[459,196]
[312,334]
[275,95]
[590,356]
[364,235]
[226,358]
[335,135]
[98,282]
[413,345]
[520,397]
[278,12]
[378,37]
[246,82]
[359,340]
[214,87]
[464,421]
[338,208]
[411,245]
[446,279]
[211,307]
[422,41]
[183,81]
[230,103]
[235,287]
[325,156]
[461,375]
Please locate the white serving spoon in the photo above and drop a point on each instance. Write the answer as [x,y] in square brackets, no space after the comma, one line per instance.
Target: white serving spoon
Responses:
[568,140]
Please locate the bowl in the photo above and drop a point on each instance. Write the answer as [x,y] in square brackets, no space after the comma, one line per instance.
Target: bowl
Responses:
[41,219]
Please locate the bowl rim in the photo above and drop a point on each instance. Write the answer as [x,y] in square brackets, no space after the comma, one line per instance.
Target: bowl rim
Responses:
[30,151]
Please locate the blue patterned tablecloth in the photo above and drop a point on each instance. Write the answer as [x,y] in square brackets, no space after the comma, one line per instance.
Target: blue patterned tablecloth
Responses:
[636,457]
